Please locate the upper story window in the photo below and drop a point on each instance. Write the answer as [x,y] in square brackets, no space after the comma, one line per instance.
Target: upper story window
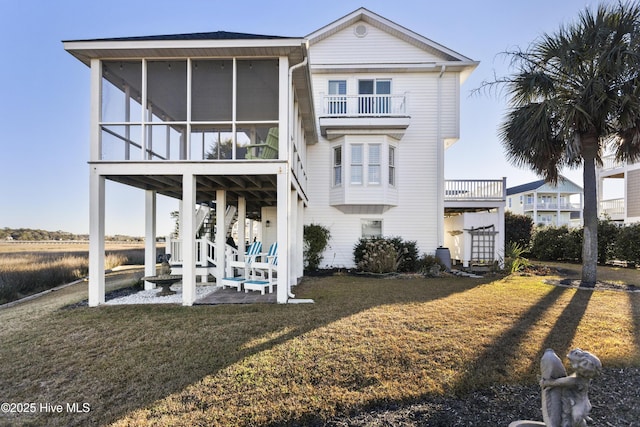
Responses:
[374,164]
[374,96]
[337,166]
[337,102]
[392,165]
[356,163]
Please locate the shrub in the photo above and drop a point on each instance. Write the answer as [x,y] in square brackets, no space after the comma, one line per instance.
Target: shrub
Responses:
[628,244]
[608,233]
[428,264]
[548,243]
[316,238]
[513,259]
[518,229]
[376,255]
[408,252]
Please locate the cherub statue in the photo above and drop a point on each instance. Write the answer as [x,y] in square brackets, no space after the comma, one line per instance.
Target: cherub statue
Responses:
[565,400]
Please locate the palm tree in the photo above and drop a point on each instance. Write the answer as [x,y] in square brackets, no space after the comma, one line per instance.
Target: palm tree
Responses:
[574,94]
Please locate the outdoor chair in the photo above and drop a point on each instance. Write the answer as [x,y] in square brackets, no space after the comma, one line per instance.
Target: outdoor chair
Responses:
[262,271]
[237,281]
[267,150]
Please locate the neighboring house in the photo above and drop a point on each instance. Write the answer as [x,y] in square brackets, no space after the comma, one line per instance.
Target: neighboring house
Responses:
[625,180]
[346,127]
[548,204]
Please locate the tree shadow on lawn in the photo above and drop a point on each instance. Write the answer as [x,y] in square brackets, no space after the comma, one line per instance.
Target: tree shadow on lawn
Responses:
[123,358]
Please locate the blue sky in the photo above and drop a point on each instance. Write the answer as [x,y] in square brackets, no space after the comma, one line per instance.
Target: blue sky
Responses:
[44,94]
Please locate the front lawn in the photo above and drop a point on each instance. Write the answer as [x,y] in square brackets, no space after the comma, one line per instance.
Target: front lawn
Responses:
[363,343]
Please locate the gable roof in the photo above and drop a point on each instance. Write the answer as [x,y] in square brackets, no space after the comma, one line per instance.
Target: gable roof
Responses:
[215,35]
[451,57]
[536,185]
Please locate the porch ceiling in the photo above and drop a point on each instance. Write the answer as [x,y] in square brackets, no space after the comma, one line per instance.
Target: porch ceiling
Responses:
[258,190]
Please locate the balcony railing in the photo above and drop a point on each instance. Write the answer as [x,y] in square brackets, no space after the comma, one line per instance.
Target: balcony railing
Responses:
[364,105]
[612,208]
[610,162]
[475,190]
[552,206]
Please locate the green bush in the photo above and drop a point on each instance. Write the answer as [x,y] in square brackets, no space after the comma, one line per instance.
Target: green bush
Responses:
[548,243]
[376,255]
[408,252]
[608,233]
[513,257]
[316,238]
[518,229]
[427,263]
[628,244]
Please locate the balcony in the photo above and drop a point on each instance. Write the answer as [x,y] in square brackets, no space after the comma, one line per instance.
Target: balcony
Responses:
[474,193]
[612,209]
[346,113]
[552,206]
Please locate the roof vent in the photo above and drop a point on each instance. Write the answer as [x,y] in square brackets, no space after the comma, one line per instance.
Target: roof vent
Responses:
[360,30]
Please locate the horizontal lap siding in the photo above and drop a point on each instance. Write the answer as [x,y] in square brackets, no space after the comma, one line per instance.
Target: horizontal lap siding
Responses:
[376,47]
[417,168]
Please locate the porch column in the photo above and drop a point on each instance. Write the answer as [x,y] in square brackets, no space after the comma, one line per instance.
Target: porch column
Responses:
[242,219]
[300,246]
[221,233]
[293,244]
[149,236]
[283,236]
[500,242]
[96,239]
[188,231]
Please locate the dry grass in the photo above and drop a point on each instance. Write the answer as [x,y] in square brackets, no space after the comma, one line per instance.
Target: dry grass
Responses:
[364,342]
[26,269]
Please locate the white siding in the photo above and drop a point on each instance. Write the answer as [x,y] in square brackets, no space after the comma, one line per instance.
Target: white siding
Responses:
[376,47]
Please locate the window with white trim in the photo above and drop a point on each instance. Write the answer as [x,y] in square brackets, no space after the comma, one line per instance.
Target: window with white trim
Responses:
[392,165]
[374,164]
[337,166]
[371,228]
[356,163]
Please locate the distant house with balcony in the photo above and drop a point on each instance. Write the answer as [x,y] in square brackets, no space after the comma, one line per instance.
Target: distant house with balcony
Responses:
[259,135]
[619,190]
[548,204]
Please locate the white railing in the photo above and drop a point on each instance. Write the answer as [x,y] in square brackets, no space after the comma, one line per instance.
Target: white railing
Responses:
[205,252]
[364,105]
[610,162]
[475,189]
[552,206]
[612,207]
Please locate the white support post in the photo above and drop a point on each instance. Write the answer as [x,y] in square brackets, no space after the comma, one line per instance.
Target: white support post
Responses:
[188,231]
[96,239]
[292,223]
[242,219]
[282,210]
[300,246]
[150,237]
[221,233]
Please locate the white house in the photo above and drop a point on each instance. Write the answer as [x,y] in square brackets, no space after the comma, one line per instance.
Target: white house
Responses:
[548,204]
[614,178]
[346,127]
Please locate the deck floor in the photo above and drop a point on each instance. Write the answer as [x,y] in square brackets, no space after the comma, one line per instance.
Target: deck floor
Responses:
[232,296]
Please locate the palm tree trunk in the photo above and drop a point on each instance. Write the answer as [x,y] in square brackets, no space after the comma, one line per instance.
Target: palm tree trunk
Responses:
[590,213]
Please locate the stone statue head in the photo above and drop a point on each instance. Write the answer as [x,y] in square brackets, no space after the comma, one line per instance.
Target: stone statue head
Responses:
[584,363]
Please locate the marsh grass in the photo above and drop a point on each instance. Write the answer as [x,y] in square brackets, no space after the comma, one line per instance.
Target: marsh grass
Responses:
[29,269]
[364,342]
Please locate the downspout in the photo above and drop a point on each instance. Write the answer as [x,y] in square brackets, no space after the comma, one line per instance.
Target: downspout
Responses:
[290,152]
[440,153]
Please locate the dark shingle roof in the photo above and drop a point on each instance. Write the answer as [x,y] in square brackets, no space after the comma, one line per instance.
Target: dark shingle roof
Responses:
[216,35]
[525,187]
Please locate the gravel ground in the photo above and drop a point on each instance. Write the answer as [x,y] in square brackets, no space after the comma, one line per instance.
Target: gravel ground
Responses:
[615,396]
